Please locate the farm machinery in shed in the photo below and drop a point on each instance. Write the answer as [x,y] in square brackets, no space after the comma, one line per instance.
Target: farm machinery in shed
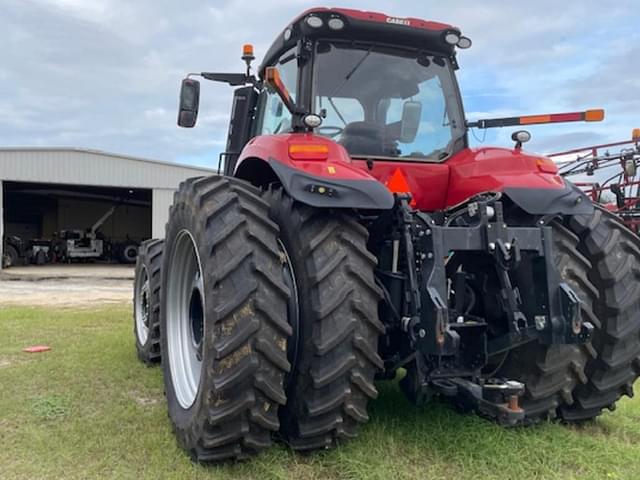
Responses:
[354,235]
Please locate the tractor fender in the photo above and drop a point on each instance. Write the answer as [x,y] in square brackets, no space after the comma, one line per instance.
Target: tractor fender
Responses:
[329,193]
[331,183]
[569,200]
[531,181]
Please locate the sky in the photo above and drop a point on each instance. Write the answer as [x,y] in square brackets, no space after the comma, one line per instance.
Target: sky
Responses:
[105,74]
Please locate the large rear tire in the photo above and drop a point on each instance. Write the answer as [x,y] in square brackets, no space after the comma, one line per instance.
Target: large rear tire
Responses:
[146,301]
[334,352]
[550,373]
[614,352]
[223,320]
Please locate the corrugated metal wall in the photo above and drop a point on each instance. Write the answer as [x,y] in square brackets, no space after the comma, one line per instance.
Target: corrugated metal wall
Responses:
[162,200]
[85,167]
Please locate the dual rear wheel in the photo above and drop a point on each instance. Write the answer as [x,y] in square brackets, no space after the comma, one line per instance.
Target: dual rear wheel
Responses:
[600,260]
[268,321]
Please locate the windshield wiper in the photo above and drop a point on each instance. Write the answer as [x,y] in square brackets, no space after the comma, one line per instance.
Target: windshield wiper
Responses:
[351,72]
[337,111]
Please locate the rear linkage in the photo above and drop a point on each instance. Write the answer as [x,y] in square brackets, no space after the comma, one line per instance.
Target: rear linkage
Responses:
[449,347]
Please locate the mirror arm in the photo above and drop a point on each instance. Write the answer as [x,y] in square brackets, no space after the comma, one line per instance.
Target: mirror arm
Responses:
[233,79]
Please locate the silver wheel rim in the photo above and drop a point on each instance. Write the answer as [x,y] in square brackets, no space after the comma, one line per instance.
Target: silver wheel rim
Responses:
[142,306]
[185,318]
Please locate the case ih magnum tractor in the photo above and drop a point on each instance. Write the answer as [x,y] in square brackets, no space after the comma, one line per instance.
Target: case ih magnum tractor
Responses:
[353,235]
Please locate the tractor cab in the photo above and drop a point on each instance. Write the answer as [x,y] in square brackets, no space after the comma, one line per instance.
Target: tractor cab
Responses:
[379,86]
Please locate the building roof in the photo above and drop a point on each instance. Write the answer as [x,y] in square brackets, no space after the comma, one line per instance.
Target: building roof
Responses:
[76,166]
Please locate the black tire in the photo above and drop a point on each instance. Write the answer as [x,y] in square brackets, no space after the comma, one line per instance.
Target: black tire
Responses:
[12,256]
[614,352]
[129,253]
[146,301]
[245,331]
[337,334]
[550,373]
[41,257]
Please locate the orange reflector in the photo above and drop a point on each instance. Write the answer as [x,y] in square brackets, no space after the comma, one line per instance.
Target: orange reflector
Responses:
[397,183]
[247,50]
[272,79]
[535,119]
[594,115]
[635,134]
[272,75]
[546,165]
[308,151]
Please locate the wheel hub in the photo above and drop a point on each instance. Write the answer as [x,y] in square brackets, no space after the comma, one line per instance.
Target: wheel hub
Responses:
[196,321]
[293,307]
[185,318]
[142,306]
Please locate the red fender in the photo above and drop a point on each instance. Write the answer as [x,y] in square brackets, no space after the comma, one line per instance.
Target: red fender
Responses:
[332,180]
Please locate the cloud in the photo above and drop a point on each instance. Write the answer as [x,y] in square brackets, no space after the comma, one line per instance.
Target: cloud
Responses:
[105,74]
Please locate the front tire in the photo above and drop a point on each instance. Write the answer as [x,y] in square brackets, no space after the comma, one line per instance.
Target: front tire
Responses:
[129,253]
[12,257]
[146,301]
[334,352]
[223,320]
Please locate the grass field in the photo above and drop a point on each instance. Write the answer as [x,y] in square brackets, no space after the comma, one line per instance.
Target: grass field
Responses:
[89,409]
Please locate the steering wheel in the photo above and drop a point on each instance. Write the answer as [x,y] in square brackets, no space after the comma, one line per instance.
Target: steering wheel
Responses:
[329,131]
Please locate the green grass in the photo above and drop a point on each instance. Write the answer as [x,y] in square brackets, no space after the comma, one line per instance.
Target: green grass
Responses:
[89,409]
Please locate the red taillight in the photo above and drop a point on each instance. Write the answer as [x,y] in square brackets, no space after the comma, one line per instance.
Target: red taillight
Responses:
[308,151]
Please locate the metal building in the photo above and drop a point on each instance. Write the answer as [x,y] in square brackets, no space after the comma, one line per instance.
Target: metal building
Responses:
[43,190]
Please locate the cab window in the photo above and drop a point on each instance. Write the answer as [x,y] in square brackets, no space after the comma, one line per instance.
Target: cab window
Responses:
[274,116]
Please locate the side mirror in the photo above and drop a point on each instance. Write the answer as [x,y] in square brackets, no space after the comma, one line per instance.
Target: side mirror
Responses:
[189,102]
[411,116]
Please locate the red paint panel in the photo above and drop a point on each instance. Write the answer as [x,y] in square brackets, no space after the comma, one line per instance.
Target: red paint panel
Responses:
[377,17]
[475,171]
[337,166]
[382,18]
[428,182]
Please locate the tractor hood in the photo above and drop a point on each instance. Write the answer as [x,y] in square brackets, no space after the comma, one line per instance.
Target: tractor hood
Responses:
[530,180]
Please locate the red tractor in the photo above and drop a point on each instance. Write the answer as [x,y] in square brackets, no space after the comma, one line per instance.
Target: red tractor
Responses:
[353,235]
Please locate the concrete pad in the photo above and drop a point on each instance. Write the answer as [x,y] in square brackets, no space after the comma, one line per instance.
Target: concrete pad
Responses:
[70,271]
[64,285]
[71,292]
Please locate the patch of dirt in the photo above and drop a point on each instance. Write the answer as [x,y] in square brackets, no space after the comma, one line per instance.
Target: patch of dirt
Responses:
[65,292]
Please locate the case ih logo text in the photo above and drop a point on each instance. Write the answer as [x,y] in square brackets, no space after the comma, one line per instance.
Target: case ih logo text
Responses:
[398,21]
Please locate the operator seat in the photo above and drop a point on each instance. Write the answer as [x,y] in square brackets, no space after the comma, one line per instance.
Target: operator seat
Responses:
[364,138]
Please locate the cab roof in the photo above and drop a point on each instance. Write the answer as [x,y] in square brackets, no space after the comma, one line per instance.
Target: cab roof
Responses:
[363,26]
